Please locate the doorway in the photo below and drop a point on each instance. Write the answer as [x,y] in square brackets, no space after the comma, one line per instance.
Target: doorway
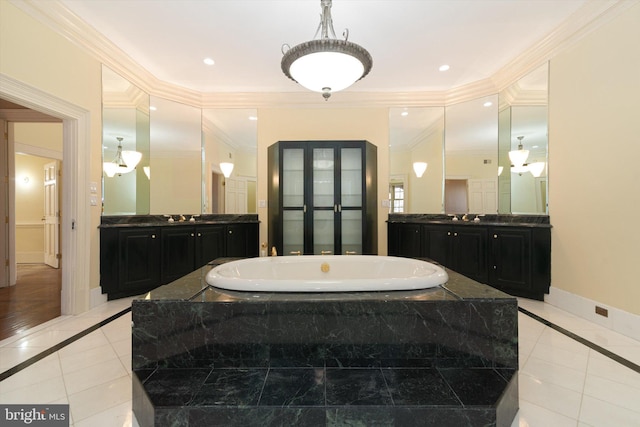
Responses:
[76,294]
[30,292]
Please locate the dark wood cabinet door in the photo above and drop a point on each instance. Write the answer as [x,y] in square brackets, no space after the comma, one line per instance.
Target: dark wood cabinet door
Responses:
[242,240]
[469,252]
[178,253]
[139,251]
[511,253]
[405,240]
[437,241]
[210,243]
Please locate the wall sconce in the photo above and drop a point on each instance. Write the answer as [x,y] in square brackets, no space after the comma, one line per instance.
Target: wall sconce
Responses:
[147,171]
[226,169]
[500,169]
[537,168]
[419,168]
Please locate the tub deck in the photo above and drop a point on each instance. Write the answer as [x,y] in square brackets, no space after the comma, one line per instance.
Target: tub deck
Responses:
[440,356]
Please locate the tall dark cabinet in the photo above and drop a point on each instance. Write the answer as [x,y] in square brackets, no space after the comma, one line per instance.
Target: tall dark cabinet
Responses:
[323,197]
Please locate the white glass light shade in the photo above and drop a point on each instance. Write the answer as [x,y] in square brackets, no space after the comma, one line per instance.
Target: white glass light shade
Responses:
[419,168]
[147,171]
[518,157]
[519,169]
[333,70]
[500,169]
[226,169]
[537,168]
[110,169]
[131,159]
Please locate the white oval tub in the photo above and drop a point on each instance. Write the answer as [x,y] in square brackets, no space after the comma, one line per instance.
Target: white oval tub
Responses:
[326,273]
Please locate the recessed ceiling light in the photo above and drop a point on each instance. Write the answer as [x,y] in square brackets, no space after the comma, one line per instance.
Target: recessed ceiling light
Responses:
[254,118]
[488,104]
[444,67]
[208,61]
[152,108]
[404,113]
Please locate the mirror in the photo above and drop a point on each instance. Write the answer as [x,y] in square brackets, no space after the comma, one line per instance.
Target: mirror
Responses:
[181,150]
[416,135]
[176,158]
[230,135]
[471,157]
[125,122]
[523,121]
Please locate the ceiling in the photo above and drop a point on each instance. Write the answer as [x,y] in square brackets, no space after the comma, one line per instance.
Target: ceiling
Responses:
[408,39]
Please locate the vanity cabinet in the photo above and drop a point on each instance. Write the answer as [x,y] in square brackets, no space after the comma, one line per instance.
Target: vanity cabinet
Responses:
[323,197]
[129,260]
[134,260]
[516,260]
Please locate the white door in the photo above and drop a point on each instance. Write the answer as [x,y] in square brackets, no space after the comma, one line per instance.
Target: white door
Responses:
[51,215]
[235,200]
[4,206]
[483,196]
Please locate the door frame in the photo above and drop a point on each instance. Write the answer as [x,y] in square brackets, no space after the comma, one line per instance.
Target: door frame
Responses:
[76,219]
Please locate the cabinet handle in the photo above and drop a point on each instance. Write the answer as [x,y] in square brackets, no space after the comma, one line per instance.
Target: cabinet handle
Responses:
[304,208]
[325,252]
[153,236]
[495,236]
[230,231]
[335,208]
[295,253]
[350,252]
[448,233]
[199,234]
[339,208]
[495,267]
[455,234]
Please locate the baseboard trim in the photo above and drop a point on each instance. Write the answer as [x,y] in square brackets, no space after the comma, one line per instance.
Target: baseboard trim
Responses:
[96,297]
[618,320]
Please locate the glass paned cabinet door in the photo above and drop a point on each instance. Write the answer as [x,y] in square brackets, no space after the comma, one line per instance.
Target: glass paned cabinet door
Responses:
[351,178]
[324,203]
[351,232]
[293,201]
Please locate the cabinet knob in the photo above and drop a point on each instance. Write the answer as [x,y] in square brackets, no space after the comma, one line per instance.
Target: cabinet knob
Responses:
[495,267]
[199,234]
[495,236]
[230,231]
[153,236]
[455,234]
[192,235]
[448,233]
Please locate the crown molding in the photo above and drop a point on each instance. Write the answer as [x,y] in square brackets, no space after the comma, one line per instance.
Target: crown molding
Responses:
[58,17]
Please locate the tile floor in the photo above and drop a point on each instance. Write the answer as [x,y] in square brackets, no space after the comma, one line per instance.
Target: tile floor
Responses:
[562,382]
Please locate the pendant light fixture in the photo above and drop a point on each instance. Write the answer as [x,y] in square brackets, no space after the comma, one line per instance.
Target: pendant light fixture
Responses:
[518,157]
[326,64]
[124,162]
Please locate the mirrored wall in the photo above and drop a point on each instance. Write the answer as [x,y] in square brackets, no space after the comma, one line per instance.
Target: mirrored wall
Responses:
[180,149]
[416,138]
[523,121]
[466,148]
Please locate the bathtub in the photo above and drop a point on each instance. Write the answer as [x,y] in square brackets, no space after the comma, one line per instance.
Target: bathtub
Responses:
[326,273]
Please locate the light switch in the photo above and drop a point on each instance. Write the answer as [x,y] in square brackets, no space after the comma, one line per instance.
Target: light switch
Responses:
[93,187]
[386,203]
[262,203]
[93,200]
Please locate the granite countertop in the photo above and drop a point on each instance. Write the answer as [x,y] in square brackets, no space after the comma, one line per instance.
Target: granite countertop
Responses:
[193,287]
[532,221]
[128,221]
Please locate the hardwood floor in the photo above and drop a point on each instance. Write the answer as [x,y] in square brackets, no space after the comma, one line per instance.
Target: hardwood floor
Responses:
[34,299]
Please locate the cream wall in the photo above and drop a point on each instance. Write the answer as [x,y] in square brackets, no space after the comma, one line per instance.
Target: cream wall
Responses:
[32,53]
[371,124]
[29,208]
[594,147]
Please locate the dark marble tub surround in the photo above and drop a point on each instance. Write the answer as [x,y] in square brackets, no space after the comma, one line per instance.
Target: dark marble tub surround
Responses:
[440,356]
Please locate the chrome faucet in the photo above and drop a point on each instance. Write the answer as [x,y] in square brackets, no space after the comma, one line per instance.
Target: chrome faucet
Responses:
[465,217]
[182,218]
[455,217]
